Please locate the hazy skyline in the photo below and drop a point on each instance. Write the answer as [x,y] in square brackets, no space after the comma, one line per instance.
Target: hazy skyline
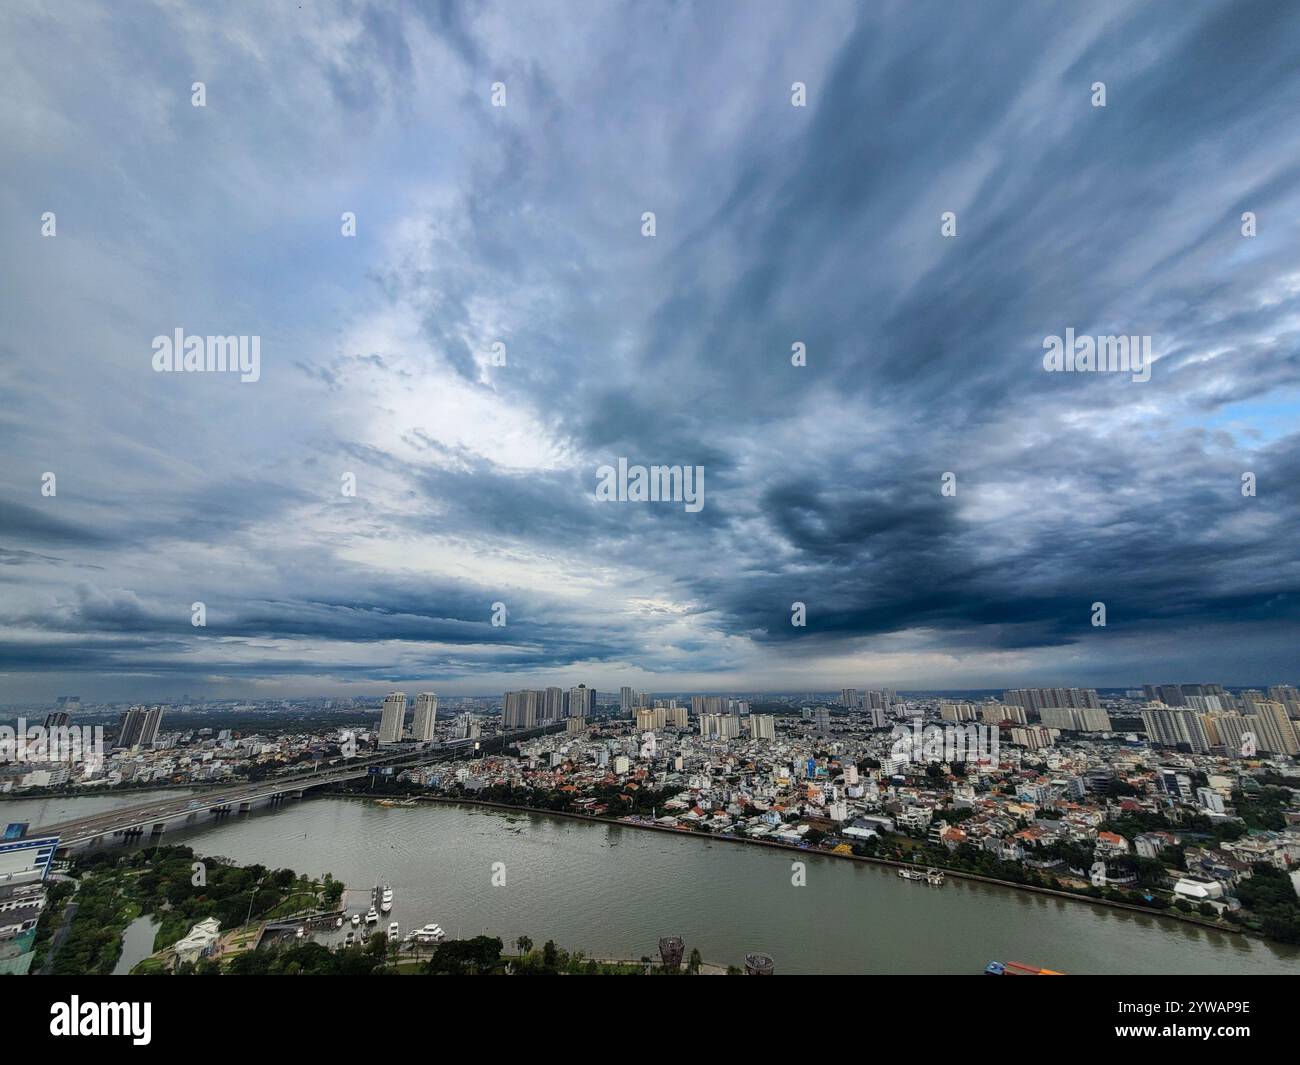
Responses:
[522,224]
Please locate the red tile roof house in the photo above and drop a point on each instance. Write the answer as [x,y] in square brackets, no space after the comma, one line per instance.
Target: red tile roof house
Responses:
[1111,843]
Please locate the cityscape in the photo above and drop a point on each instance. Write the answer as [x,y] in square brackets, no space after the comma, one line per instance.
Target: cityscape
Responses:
[1177,800]
[649,488]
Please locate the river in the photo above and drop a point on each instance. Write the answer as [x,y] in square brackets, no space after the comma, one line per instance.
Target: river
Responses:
[611,891]
[49,811]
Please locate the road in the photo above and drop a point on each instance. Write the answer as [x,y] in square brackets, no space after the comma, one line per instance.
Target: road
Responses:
[144,815]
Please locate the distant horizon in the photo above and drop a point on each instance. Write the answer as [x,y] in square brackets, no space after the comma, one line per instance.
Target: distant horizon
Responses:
[411,689]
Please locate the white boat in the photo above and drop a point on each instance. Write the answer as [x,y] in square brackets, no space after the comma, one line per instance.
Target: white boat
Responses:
[386,899]
[372,916]
[356,919]
[930,876]
[430,933]
[392,932]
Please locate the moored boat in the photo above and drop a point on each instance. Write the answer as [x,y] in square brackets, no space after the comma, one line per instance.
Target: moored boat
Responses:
[430,933]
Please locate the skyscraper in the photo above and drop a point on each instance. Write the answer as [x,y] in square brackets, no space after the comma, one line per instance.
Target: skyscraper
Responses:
[1287,695]
[129,727]
[426,714]
[390,724]
[522,709]
[1172,728]
[152,723]
[1274,729]
[139,726]
[555,704]
[582,701]
[823,721]
[1057,698]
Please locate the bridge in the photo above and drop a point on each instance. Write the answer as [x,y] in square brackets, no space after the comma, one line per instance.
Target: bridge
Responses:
[133,821]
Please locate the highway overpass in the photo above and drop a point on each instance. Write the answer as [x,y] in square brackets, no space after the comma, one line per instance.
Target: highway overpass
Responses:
[154,815]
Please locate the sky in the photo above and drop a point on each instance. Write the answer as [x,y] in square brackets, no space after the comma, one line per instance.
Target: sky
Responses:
[524,225]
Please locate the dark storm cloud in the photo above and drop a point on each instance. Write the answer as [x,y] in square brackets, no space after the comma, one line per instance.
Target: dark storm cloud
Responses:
[34,525]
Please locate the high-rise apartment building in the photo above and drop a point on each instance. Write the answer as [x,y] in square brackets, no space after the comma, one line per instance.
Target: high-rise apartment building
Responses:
[1056,698]
[426,716]
[139,726]
[1170,728]
[582,701]
[1287,695]
[958,711]
[1075,720]
[995,713]
[393,718]
[1275,733]
[1035,737]
[152,726]
[650,718]
[719,726]
[521,709]
[1170,694]
[554,704]
[1230,731]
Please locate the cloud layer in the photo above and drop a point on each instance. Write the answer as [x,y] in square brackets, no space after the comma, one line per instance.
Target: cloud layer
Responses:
[522,225]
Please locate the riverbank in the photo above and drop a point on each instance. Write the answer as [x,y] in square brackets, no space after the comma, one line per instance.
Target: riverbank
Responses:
[1036,889]
[615,894]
